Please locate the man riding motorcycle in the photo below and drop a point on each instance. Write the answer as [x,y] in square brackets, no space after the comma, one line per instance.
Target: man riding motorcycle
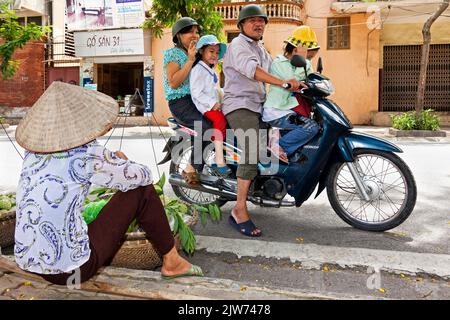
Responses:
[245,67]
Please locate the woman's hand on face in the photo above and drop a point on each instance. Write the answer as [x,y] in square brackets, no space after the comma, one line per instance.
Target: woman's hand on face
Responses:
[192,51]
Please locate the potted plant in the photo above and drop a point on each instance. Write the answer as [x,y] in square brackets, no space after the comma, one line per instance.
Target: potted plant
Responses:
[426,124]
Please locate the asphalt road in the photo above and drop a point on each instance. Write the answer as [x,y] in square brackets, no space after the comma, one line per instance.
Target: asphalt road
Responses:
[427,230]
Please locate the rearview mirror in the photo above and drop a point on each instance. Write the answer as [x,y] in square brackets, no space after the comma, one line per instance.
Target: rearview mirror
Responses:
[319,65]
[298,61]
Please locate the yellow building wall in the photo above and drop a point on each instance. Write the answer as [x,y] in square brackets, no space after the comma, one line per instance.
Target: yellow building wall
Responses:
[161,111]
[355,71]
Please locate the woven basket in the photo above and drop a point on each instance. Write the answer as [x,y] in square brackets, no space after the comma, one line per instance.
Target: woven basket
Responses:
[138,253]
[7,227]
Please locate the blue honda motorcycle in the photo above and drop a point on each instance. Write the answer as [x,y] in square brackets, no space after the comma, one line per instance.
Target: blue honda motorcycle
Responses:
[368,185]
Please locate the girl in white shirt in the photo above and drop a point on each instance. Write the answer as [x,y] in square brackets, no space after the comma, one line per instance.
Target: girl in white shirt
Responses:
[205,94]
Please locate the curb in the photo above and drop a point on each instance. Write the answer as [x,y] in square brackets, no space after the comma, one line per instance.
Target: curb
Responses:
[313,256]
[416,133]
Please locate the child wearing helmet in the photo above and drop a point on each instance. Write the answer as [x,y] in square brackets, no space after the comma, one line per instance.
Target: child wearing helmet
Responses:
[177,65]
[206,94]
[281,106]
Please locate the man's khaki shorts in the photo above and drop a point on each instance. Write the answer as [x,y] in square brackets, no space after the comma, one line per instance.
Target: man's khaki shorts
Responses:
[246,125]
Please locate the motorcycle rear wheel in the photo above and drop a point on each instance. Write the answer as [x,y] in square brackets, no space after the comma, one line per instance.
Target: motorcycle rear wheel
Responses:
[390,184]
[191,195]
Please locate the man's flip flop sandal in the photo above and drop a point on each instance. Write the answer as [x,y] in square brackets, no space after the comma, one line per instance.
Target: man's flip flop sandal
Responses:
[246,228]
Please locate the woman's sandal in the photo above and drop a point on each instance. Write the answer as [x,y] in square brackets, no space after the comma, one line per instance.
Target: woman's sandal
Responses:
[191,178]
[194,271]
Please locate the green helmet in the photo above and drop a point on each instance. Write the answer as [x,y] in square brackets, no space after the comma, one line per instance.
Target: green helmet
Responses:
[251,10]
[181,24]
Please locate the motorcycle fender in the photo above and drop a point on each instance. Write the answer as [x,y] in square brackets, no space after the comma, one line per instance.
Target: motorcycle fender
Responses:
[356,140]
[324,175]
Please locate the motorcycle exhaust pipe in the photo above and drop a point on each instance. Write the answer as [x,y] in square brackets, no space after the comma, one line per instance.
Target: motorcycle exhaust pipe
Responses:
[271,203]
[177,180]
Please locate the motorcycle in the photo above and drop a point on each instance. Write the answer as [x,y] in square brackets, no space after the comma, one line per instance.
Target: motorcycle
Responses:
[367,184]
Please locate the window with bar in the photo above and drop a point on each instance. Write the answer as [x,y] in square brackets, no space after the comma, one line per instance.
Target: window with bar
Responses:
[338,33]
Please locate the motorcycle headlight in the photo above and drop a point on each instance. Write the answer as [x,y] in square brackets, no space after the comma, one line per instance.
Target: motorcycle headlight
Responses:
[325,86]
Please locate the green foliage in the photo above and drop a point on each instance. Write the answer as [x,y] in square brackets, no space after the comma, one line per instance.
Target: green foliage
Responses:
[92,209]
[163,14]
[404,121]
[427,120]
[15,37]
[178,213]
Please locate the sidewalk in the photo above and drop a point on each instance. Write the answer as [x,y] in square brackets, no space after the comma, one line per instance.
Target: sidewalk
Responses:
[117,283]
[383,132]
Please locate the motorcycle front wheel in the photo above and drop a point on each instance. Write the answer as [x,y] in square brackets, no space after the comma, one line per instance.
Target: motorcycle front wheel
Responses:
[390,186]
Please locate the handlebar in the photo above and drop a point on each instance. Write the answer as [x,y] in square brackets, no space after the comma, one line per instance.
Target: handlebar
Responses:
[286,85]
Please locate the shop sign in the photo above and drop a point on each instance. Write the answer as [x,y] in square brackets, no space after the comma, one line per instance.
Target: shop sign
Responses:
[121,42]
[149,67]
[148,95]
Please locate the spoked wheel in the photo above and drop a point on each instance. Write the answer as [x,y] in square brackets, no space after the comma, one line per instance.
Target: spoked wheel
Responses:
[390,186]
[191,195]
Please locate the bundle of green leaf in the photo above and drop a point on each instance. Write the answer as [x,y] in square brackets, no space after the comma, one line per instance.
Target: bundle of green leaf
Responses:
[95,202]
[92,209]
[7,202]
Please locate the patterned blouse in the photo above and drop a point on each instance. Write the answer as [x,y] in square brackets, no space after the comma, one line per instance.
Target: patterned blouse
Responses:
[180,57]
[51,235]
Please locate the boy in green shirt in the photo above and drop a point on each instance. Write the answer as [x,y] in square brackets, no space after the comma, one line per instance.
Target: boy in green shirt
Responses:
[278,108]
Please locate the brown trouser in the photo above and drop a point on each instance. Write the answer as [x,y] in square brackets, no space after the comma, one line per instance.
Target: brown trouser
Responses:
[106,232]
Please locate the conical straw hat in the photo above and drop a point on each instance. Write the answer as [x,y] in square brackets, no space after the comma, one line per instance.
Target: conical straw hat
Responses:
[66,116]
